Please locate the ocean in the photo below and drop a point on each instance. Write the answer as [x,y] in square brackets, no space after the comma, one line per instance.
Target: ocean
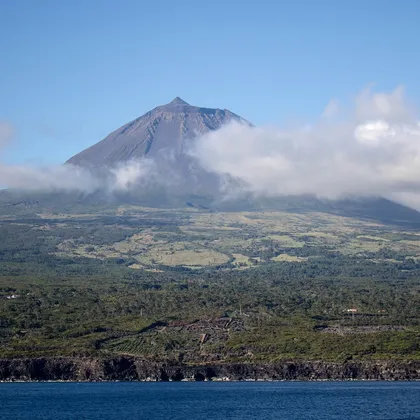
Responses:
[211,400]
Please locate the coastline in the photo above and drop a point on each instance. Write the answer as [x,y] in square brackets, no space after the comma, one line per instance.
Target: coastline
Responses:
[118,369]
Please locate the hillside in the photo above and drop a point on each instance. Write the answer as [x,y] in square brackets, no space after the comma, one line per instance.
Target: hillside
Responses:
[197,287]
[156,276]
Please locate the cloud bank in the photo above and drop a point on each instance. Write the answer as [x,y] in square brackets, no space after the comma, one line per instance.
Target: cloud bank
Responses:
[73,178]
[371,149]
[69,177]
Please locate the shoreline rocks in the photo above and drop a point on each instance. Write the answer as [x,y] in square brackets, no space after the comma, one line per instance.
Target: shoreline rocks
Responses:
[136,369]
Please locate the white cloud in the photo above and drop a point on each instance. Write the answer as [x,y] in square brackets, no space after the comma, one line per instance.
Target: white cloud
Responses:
[331,109]
[59,177]
[373,152]
[372,132]
[73,178]
[392,107]
[69,177]
[127,174]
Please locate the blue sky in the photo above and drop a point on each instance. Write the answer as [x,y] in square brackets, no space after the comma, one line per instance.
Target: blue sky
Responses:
[73,71]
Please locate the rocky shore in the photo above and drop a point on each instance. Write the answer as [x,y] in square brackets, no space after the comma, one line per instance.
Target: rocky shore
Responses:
[134,369]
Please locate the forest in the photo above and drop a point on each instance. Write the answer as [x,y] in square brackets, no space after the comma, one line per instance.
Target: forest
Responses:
[197,287]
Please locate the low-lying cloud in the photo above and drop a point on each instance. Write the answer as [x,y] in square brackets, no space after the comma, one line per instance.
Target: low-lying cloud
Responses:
[74,178]
[371,149]
[59,177]
[71,178]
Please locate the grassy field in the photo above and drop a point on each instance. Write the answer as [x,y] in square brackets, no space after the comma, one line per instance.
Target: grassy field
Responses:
[206,239]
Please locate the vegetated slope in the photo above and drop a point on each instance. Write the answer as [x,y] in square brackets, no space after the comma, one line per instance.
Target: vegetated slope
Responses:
[150,284]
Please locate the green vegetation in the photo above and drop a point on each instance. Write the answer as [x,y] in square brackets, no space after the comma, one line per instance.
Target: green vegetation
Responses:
[198,286]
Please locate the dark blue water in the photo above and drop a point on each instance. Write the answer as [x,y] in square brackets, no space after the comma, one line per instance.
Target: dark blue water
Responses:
[211,400]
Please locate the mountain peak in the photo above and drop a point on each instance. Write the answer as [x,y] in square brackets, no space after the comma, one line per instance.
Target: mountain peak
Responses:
[164,129]
[178,101]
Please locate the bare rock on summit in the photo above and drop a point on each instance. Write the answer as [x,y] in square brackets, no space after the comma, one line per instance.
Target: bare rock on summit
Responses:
[165,129]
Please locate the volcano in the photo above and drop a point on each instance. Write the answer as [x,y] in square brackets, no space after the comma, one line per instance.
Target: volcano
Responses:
[164,135]
[165,130]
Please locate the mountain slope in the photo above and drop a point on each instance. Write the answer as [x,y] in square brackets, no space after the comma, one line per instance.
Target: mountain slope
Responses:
[161,131]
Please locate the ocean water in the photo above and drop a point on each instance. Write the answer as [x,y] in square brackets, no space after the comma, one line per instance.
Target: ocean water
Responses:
[211,400]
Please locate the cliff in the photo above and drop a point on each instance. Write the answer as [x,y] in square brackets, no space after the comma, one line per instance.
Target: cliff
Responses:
[132,369]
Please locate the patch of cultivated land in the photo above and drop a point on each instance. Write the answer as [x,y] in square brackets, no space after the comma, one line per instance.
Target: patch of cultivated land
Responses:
[286,241]
[359,245]
[178,253]
[288,258]
[198,239]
